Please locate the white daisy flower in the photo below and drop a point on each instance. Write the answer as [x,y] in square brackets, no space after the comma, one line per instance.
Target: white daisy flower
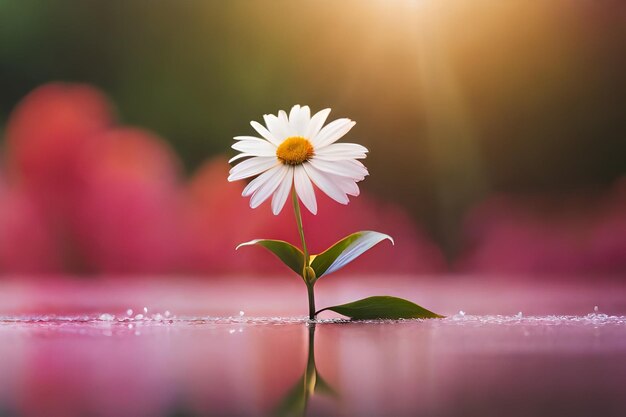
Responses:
[297,151]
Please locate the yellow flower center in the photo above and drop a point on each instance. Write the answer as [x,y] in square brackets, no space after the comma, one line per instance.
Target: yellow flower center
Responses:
[294,150]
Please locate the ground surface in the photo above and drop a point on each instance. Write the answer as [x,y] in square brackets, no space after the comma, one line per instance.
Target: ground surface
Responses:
[237,346]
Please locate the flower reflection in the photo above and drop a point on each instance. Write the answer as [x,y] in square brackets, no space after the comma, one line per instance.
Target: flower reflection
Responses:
[311,383]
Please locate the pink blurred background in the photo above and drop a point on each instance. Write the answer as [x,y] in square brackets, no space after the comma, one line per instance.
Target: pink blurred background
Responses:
[496,132]
[83,194]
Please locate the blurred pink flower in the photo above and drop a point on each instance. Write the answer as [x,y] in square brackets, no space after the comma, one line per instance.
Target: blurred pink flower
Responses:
[128,216]
[46,136]
[579,234]
[91,197]
[26,246]
[219,219]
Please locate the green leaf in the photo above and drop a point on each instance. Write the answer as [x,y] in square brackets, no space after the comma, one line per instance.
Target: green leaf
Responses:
[294,403]
[345,251]
[322,387]
[382,307]
[286,252]
[311,383]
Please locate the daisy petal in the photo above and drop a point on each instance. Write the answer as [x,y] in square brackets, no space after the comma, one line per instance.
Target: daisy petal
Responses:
[347,185]
[279,129]
[345,168]
[355,162]
[339,151]
[316,123]
[293,113]
[299,118]
[264,132]
[257,147]
[304,188]
[284,120]
[251,167]
[340,157]
[260,180]
[239,156]
[282,116]
[266,190]
[281,194]
[325,183]
[332,132]
[249,138]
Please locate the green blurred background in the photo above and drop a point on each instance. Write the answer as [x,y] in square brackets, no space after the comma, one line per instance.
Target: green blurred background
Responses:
[456,100]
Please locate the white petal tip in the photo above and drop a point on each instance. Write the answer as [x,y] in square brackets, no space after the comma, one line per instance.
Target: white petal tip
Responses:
[252,242]
[386,237]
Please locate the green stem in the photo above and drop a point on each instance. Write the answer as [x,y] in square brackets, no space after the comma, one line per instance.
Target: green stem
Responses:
[310,372]
[296,209]
[312,313]
[309,283]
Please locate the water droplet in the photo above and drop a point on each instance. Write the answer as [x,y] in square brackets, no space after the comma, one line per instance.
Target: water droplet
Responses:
[167,313]
[461,313]
[596,309]
[519,315]
[129,312]
[241,313]
[106,317]
[231,331]
[145,310]
[139,317]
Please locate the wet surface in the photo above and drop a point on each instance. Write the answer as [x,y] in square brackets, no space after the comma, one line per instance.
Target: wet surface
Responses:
[155,361]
